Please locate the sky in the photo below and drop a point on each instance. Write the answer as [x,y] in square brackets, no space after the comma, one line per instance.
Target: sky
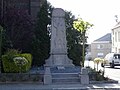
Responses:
[100,13]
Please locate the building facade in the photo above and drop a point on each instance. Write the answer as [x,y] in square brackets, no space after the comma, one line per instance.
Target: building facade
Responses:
[101,46]
[88,53]
[116,38]
[31,6]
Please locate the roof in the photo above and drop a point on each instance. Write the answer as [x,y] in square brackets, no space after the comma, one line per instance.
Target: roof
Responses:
[106,37]
[117,25]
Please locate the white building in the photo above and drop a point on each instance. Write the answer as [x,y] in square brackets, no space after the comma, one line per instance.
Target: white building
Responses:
[116,38]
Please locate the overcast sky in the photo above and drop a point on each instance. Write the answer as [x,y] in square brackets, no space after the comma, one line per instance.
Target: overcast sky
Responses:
[101,13]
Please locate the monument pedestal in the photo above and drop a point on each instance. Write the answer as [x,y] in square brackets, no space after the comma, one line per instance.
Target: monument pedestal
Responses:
[58,60]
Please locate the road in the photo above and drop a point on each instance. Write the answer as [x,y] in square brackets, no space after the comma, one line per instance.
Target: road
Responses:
[113,73]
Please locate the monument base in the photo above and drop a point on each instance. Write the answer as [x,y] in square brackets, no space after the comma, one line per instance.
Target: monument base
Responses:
[59,61]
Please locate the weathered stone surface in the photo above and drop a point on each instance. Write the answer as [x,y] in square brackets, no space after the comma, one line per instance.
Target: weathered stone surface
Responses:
[58,52]
[47,76]
[84,76]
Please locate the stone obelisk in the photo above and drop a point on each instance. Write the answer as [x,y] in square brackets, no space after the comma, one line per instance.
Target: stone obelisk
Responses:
[58,51]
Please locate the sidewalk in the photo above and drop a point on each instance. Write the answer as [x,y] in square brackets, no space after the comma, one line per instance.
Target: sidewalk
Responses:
[36,86]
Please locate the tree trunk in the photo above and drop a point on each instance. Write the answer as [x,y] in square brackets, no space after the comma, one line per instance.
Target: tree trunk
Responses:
[83,49]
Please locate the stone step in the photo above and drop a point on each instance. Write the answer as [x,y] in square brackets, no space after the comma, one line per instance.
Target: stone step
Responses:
[60,78]
[57,83]
[72,78]
[65,75]
[66,80]
[66,70]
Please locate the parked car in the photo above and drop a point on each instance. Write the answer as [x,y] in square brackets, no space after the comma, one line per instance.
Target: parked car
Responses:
[111,59]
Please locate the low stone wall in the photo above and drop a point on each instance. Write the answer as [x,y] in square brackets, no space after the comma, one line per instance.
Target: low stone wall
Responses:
[101,82]
[21,77]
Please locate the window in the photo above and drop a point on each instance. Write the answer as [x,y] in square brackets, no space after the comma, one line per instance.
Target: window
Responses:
[100,54]
[113,32]
[119,50]
[115,49]
[113,41]
[117,56]
[99,46]
[118,36]
[115,36]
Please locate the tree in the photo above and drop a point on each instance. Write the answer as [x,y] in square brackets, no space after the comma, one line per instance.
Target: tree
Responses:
[82,27]
[3,45]
[41,42]
[73,39]
[97,61]
[19,29]
[1,29]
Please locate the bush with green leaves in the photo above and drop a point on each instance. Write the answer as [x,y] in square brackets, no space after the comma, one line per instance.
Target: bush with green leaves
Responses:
[14,62]
[96,75]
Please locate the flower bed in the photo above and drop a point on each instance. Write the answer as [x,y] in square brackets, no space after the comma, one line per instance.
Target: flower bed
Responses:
[97,77]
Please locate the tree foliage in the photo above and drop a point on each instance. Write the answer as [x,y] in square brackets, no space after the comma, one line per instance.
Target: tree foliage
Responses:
[19,34]
[82,26]
[41,42]
[97,61]
[73,39]
[18,25]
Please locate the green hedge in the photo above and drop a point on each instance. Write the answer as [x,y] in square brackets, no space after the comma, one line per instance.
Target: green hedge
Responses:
[10,66]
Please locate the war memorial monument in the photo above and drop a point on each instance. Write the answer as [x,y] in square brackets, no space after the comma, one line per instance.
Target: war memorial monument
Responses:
[58,67]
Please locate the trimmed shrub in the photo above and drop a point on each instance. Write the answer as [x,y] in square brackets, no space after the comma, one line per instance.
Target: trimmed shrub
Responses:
[16,62]
[11,53]
[28,57]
